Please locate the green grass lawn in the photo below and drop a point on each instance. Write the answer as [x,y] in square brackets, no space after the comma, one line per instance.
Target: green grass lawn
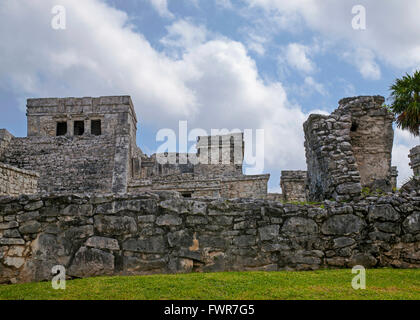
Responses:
[323,284]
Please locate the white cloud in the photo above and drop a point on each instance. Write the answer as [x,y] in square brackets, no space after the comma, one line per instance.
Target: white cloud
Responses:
[312,85]
[161,6]
[226,4]
[184,34]
[364,60]
[296,56]
[213,83]
[392,34]
[256,43]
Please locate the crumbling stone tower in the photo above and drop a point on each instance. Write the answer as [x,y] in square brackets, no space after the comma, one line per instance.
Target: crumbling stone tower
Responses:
[349,149]
[415,160]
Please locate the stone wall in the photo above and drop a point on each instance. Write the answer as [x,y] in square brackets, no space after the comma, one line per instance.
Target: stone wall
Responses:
[349,149]
[5,138]
[164,233]
[293,185]
[14,181]
[415,160]
[248,186]
[72,164]
[394,178]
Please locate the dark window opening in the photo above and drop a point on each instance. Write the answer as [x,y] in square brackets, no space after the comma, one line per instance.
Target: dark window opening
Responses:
[95,127]
[61,128]
[354,127]
[79,128]
[187,194]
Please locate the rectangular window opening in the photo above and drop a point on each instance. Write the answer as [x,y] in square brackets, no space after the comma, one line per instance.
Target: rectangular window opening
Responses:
[79,128]
[61,129]
[187,194]
[95,127]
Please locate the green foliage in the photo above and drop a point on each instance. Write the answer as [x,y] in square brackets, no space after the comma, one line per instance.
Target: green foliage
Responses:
[405,97]
[322,284]
[366,191]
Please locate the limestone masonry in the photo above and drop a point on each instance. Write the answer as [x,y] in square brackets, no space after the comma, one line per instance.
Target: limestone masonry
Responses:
[89,145]
[79,192]
[349,149]
[163,232]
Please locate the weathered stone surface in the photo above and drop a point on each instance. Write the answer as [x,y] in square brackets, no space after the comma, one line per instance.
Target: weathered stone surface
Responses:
[241,234]
[15,181]
[113,225]
[91,262]
[343,242]
[269,232]
[11,233]
[14,262]
[363,259]
[102,243]
[30,227]
[9,225]
[244,241]
[168,220]
[181,238]
[293,185]
[412,222]
[342,225]
[146,219]
[33,206]
[383,213]
[82,210]
[33,215]
[135,265]
[151,245]
[8,241]
[297,225]
[181,265]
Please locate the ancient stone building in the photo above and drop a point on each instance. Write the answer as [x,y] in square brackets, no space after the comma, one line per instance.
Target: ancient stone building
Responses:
[215,171]
[77,144]
[349,149]
[415,160]
[293,186]
[89,145]
[394,178]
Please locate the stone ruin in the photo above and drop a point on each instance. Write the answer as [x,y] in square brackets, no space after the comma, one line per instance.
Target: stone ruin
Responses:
[89,145]
[415,160]
[349,150]
[81,194]
[293,186]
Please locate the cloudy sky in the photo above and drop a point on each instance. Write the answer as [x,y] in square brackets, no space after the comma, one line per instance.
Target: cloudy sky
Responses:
[246,64]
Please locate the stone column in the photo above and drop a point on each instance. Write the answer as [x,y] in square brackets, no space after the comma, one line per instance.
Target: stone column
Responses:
[394,176]
[293,185]
[415,160]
